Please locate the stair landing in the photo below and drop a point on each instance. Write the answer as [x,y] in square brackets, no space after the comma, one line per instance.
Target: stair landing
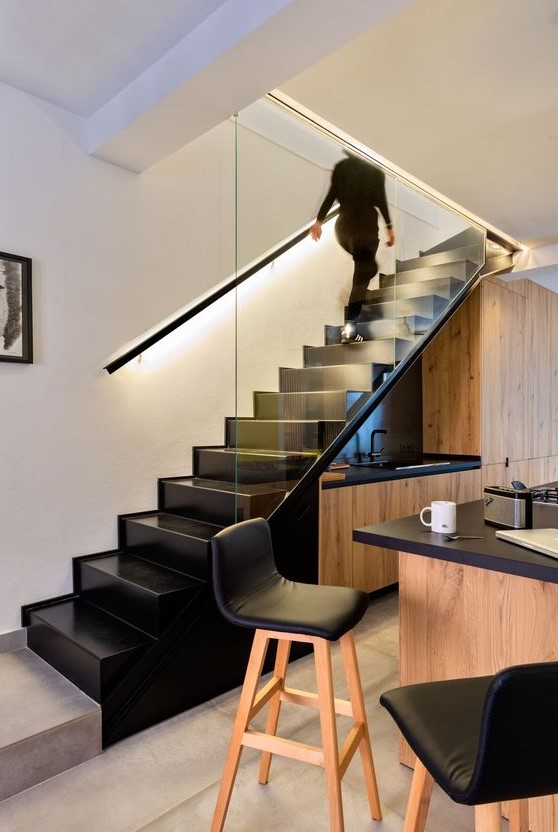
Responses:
[48,725]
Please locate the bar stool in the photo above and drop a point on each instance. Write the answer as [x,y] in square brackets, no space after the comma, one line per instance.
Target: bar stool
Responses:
[251,593]
[483,740]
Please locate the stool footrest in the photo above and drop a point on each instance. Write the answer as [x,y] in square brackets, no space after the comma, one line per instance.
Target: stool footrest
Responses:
[284,747]
[303,697]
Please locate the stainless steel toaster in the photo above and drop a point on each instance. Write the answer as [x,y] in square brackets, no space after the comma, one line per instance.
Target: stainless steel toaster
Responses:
[508,508]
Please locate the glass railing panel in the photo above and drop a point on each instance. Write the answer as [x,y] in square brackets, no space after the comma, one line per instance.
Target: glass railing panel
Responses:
[302,390]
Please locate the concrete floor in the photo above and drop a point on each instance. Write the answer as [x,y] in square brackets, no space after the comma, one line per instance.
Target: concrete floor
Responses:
[166,778]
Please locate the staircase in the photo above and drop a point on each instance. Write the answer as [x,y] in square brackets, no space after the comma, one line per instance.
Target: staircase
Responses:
[140,633]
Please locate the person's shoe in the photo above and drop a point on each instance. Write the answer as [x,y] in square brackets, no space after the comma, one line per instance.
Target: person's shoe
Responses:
[349,333]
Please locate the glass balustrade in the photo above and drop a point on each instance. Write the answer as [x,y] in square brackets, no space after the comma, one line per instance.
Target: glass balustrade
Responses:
[303,394]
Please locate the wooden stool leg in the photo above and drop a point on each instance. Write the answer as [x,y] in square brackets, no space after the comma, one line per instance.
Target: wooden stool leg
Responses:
[518,815]
[488,817]
[419,799]
[359,714]
[281,662]
[328,723]
[245,705]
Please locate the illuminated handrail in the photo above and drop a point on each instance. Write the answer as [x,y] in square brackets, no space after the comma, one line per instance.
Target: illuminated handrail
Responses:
[223,289]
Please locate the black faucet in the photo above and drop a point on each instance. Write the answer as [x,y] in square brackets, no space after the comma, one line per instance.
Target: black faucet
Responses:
[373,454]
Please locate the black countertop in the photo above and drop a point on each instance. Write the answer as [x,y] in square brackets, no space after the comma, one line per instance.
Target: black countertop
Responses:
[360,475]
[409,535]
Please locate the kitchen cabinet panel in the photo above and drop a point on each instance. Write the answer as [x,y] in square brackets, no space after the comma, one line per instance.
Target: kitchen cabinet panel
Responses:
[451,377]
[501,393]
[336,528]
[345,563]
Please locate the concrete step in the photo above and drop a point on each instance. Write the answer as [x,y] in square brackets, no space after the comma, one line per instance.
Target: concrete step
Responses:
[48,724]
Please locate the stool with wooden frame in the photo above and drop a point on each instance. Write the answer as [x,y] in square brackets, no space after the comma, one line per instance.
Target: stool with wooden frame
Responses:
[484,740]
[251,593]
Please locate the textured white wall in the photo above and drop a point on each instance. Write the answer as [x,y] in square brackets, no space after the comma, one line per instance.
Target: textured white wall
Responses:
[112,254]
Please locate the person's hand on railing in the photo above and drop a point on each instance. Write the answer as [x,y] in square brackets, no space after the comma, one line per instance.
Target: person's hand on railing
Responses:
[316,231]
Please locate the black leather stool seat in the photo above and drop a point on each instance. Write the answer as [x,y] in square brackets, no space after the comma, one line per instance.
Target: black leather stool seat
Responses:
[486,739]
[250,592]
[441,722]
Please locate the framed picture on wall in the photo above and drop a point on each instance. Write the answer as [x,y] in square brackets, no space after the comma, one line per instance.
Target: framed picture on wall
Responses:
[16,323]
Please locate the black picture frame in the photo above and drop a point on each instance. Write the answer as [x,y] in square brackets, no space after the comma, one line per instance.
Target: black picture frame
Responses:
[16,320]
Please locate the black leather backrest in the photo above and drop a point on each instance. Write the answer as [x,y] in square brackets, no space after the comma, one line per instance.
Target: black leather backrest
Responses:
[242,561]
[518,749]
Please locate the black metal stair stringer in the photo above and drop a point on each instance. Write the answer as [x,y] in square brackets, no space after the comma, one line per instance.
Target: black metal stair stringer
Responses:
[161,683]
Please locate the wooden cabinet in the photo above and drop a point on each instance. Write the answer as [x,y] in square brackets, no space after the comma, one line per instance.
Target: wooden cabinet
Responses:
[451,384]
[490,388]
[490,381]
[344,563]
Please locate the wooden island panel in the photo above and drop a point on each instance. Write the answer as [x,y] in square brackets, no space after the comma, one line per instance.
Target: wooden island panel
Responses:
[458,620]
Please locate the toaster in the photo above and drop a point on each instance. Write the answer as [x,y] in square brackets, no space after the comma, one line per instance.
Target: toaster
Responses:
[508,508]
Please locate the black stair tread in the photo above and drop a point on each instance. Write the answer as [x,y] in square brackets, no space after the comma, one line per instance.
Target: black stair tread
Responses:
[142,573]
[99,633]
[248,489]
[178,524]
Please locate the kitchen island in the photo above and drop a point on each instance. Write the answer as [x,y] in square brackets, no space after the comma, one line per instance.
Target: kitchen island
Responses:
[471,607]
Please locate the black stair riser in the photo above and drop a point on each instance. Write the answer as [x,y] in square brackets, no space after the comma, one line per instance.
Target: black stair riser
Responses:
[344,377]
[323,405]
[427,307]
[446,287]
[282,435]
[150,610]
[95,677]
[214,505]
[189,555]
[438,255]
[409,328]
[425,273]
[377,352]
[248,468]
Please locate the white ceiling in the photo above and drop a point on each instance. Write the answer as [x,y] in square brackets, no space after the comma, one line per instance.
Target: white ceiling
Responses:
[464,96]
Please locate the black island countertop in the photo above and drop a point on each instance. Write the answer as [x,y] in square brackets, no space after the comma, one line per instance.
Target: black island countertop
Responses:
[426,467]
[408,534]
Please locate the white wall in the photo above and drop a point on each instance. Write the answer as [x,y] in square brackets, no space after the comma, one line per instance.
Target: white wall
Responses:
[112,254]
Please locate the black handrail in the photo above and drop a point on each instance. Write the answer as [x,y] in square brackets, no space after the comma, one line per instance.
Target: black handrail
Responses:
[217,294]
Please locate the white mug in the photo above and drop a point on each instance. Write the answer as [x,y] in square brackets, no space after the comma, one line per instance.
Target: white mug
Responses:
[443,516]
